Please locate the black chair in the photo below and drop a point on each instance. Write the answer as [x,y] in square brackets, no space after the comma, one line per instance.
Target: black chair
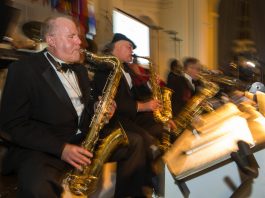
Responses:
[8,184]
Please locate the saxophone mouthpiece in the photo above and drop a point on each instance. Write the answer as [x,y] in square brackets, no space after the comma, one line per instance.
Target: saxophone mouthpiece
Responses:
[143,57]
[134,56]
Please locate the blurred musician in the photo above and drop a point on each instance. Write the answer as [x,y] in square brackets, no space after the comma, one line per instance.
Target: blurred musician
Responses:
[135,116]
[175,68]
[184,85]
[140,78]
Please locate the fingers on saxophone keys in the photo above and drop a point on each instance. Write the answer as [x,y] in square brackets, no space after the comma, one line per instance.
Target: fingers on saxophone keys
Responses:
[110,111]
[106,118]
[84,157]
[76,165]
[157,104]
[85,153]
[79,164]
[113,104]
[106,121]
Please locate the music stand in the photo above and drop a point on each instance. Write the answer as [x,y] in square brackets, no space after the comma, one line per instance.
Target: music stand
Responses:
[175,39]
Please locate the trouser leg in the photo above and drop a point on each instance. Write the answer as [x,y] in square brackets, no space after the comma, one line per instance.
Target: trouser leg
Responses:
[131,171]
[40,176]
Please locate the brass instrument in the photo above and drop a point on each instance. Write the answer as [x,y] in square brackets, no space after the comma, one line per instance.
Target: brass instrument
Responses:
[218,77]
[163,95]
[195,106]
[84,182]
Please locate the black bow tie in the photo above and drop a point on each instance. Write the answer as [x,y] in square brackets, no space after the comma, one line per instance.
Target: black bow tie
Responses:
[63,67]
[67,67]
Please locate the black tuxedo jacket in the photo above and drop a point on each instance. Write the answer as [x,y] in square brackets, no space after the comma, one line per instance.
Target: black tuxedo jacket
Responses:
[36,111]
[126,104]
[183,91]
[142,123]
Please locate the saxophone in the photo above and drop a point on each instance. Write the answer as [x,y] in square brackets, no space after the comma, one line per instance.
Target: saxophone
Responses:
[195,106]
[163,95]
[84,182]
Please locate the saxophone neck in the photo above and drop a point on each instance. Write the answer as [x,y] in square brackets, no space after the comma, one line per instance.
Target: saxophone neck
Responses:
[143,57]
[151,69]
[102,61]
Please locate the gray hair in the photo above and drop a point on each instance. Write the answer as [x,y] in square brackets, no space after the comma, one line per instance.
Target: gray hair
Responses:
[49,26]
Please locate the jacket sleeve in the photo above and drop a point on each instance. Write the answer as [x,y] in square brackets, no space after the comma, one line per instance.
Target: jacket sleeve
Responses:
[16,113]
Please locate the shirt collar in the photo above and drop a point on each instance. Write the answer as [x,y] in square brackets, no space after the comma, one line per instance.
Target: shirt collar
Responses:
[56,59]
[188,77]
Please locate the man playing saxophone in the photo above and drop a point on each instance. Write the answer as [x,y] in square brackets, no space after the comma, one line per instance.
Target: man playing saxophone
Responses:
[135,116]
[46,109]
[184,86]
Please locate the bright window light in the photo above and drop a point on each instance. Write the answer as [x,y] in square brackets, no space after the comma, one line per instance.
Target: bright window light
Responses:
[134,30]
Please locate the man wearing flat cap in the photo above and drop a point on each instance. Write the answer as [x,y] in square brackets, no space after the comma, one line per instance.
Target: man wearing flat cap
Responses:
[120,37]
[135,116]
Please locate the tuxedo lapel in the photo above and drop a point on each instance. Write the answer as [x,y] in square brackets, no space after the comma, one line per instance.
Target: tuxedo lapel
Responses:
[56,85]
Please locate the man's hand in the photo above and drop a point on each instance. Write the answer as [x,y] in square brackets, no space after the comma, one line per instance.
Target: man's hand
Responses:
[111,109]
[149,106]
[171,124]
[76,156]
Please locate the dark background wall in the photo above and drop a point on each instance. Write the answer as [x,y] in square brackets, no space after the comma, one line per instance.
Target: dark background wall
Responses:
[229,13]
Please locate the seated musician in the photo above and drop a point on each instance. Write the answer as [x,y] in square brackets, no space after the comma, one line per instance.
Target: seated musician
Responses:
[135,116]
[140,80]
[185,85]
[175,68]
[45,112]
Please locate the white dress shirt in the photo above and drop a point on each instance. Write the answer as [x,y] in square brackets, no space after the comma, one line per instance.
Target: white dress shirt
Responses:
[71,86]
[128,78]
[189,78]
